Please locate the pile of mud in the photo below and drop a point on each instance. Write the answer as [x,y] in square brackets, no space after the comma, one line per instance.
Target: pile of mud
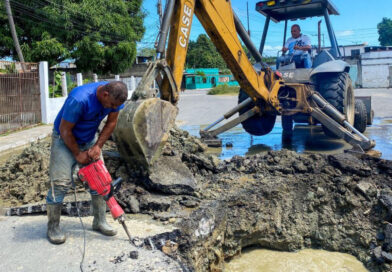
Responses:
[23,177]
[276,200]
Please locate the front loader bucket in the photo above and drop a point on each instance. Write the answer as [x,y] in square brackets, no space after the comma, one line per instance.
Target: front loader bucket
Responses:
[143,128]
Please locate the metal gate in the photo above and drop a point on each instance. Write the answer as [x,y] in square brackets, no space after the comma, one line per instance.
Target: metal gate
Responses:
[20,104]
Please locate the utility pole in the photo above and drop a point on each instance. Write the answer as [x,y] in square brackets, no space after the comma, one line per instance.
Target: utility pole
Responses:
[13,32]
[247,14]
[159,11]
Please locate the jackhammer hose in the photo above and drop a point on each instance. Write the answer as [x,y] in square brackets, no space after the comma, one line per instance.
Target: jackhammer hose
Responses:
[80,218]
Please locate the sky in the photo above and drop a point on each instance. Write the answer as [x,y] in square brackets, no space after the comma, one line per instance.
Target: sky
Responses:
[356,24]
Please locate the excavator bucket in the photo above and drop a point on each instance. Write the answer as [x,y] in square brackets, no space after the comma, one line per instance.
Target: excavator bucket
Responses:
[144,124]
[143,128]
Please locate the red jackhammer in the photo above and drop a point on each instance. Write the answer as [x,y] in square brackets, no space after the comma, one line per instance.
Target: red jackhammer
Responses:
[98,179]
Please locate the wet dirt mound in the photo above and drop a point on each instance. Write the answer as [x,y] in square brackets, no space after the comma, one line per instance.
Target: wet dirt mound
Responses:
[277,200]
[23,177]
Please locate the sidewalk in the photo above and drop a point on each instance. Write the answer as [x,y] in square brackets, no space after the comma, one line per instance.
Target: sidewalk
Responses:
[24,137]
[26,248]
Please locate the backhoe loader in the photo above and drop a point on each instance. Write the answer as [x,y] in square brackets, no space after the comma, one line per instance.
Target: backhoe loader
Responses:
[144,124]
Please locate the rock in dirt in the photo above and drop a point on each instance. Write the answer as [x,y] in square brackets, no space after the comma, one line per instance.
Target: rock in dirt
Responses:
[388,237]
[134,204]
[169,175]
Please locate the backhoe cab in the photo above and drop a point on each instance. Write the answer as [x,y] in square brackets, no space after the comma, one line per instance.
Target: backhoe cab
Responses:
[328,73]
[144,123]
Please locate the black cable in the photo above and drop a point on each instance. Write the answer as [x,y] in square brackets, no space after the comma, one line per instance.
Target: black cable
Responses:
[80,218]
[78,25]
[54,25]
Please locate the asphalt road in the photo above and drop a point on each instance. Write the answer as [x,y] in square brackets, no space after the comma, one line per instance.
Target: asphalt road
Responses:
[197,108]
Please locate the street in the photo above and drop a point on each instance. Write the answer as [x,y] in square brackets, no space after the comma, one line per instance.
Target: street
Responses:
[198,110]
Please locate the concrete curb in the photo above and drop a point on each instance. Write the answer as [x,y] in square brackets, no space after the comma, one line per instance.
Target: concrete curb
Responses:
[25,137]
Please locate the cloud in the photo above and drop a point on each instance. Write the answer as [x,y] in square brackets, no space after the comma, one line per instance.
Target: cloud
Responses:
[344,33]
[273,48]
[270,50]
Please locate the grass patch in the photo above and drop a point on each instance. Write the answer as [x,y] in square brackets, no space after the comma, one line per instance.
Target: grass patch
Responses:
[224,89]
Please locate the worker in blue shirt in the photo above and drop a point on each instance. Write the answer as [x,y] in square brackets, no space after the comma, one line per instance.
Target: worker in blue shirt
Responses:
[75,141]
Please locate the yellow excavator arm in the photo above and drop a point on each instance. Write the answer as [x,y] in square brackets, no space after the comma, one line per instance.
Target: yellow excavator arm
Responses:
[217,19]
[146,120]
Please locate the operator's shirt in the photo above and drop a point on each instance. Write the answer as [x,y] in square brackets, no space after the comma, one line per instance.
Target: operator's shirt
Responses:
[302,40]
[83,109]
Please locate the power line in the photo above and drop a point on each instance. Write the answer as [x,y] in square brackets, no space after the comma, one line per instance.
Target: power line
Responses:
[51,24]
[82,26]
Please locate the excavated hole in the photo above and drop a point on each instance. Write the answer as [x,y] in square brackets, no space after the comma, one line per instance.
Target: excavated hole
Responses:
[278,200]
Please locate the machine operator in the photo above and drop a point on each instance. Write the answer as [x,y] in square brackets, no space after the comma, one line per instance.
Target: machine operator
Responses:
[298,46]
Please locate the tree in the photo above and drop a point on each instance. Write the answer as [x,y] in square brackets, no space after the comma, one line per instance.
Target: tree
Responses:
[385,32]
[203,54]
[100,35]
[148,52]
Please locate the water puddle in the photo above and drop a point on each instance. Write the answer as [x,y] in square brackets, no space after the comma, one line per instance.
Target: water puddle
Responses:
[305,139]
[381,132]
[261,260]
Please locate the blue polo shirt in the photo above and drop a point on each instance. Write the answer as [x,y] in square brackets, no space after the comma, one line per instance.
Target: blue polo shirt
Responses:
[83,108]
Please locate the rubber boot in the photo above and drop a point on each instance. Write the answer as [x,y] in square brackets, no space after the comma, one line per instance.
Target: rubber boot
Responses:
[55,235]
[99,212]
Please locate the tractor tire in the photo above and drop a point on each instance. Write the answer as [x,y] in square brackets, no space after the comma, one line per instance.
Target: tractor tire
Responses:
[287,123]
[360,120]
[370,120]
[337,89]
[257,125]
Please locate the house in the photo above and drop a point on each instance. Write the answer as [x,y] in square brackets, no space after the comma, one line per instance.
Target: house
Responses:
[347,51]
[370,66]
[206,78]
[375,67]
[144,59]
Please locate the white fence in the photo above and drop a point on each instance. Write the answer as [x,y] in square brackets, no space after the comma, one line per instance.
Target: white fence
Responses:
[376,69]
[51,106]
[131,82]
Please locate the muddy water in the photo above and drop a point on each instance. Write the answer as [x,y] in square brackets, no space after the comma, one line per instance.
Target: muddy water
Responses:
[381,132]
[305,139]
[260,260]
